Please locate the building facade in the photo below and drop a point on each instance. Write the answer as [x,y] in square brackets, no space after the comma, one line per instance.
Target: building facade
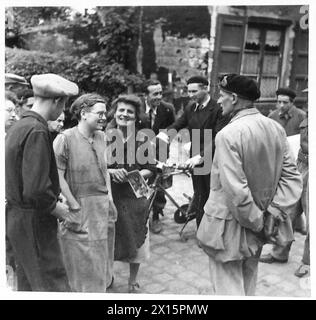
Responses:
[266,43]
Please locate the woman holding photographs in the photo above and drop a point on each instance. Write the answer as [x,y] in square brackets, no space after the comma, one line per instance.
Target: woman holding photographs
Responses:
[131,229]
[85,184]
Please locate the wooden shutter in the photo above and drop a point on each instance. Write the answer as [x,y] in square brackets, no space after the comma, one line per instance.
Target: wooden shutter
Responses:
[230,34]
[299,73]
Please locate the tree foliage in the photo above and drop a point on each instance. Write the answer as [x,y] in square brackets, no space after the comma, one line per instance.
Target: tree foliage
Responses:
[105,44]
[25,17]
[91,72]
[119,33]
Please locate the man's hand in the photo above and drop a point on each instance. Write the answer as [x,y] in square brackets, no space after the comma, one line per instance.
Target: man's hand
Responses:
[164,137]
[194,161]
[61,210]
[118,175]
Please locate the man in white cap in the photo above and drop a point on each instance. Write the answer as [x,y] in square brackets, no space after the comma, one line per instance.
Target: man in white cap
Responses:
[32,189]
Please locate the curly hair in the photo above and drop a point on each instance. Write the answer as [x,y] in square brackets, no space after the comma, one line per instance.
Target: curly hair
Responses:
[85,102]
[131,99]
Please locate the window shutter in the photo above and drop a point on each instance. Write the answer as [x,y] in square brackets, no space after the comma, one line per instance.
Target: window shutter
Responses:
[299,73]
[230,33]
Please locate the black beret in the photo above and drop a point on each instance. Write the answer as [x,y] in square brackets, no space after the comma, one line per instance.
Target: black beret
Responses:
[286,92]
[243,86]
[198,79]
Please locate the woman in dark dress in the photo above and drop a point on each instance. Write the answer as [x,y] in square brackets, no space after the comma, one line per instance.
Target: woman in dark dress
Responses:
[131,228]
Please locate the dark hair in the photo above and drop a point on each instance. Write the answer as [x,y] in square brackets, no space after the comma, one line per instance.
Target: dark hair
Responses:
[198,79]
[286,92]
[85,102]
[131,99]
[9,95]
[150,82]
[25,93]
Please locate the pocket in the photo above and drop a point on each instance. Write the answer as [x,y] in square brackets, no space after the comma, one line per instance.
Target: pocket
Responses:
[215,181]
[216,205]
[210,233]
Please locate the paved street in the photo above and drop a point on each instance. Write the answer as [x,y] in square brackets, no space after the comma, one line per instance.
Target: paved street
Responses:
[181,267]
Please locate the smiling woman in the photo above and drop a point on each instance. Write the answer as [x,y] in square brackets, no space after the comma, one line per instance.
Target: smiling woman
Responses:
[84,182]
[131,228]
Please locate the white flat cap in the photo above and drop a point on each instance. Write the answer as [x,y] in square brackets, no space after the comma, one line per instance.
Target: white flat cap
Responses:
[305,90]
[51,85]
[14,78]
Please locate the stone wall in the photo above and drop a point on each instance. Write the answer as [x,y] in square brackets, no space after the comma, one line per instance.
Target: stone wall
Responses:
[184,57]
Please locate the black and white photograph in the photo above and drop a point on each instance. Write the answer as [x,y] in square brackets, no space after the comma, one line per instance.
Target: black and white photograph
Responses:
[217,93]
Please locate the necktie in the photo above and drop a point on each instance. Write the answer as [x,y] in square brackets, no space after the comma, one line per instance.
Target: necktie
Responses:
[151,117]
[198,107]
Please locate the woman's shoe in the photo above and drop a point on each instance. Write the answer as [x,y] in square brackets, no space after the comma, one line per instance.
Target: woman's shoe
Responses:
[303,270]
[134,288]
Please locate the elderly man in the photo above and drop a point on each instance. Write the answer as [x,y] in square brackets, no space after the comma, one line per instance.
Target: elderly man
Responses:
[32,189]
[286,113]
[253,175]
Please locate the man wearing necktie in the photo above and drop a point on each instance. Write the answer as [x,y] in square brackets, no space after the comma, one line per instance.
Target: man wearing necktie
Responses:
[159,114]
[201,113]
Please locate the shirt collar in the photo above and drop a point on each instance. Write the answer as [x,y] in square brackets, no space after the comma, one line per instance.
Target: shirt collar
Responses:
[148,108]
[289,113]
[244,112]
[204,104]
[35,115]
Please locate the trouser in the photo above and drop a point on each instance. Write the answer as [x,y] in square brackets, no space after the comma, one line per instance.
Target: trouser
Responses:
[159,204]
[201,189]
[238,278]
[280,252]
[33,236]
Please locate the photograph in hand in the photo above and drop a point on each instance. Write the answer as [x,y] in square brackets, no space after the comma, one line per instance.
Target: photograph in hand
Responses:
[138,184]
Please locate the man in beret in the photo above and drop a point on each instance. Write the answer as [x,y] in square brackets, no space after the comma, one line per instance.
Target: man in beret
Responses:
[289,116]
[32,189]
[201,113]
[252,174]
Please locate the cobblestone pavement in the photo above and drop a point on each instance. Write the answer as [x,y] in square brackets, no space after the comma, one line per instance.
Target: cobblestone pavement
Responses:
[181,267]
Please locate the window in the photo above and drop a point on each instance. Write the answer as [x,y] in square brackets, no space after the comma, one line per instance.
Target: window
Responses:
[262,58]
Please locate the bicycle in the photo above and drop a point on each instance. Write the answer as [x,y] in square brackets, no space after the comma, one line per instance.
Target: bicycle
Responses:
[163,180]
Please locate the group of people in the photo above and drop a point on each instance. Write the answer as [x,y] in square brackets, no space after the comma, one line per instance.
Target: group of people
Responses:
[71,211]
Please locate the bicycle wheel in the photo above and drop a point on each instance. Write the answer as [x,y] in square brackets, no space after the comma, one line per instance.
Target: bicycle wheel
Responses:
[179,215]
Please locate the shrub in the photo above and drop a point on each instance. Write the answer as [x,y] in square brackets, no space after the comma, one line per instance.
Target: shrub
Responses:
[92,72]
